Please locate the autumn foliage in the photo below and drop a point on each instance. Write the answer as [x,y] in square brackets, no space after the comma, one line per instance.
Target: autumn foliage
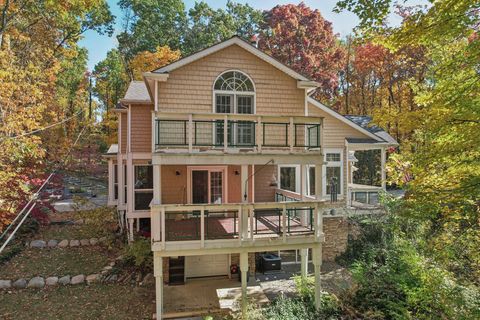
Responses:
[302,39]
[147,61]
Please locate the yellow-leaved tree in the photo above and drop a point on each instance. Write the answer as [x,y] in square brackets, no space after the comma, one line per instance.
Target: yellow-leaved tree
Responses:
[147,61]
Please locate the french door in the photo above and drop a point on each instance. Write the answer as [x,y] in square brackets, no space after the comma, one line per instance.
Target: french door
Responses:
[207,185]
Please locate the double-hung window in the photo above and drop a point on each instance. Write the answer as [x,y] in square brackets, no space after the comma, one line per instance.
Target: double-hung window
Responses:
[234,92]
[143,187]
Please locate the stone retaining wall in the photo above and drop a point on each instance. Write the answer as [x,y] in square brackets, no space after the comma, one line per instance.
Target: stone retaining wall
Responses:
[41,282]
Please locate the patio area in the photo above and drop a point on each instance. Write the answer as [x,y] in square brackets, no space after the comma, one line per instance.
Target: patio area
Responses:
[207,296]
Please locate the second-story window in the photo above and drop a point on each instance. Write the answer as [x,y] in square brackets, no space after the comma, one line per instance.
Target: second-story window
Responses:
[234,92]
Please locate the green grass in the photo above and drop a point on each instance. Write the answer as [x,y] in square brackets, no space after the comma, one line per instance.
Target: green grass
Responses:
[100,301]
[60,232]
[56,262]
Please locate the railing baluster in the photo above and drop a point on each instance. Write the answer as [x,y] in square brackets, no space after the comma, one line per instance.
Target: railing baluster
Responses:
[202,227]
[291,134]
[162,218]
[225,133]
[190,138]
[259,138]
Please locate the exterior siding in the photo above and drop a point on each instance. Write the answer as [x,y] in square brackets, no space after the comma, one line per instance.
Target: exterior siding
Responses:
[123,132]
[189,88]
[334,131]
[141,133]
[263,191]
[174,188]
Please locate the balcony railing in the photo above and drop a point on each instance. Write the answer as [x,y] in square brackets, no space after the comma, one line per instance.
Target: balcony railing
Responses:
[201,225]
[202,131]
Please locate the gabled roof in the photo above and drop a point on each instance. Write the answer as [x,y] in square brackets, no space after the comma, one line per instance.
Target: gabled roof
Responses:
[136,93]
[360,123]
[235,40]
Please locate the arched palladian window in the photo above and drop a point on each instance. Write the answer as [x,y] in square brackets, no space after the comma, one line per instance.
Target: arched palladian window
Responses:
[234,92]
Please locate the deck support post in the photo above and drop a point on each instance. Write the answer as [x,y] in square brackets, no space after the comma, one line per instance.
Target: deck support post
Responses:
[382,169]
[158,273]
[304,216]
[157,184]
[130,229]
[304,263]
[244,271]
[317,264]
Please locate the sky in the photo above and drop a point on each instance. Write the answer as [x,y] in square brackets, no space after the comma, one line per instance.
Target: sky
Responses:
[99,45]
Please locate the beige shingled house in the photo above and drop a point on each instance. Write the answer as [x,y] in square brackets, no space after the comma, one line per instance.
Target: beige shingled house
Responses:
[223,155]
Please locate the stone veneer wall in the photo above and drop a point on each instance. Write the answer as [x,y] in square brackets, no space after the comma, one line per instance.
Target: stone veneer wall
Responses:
[336,231]
[235,259]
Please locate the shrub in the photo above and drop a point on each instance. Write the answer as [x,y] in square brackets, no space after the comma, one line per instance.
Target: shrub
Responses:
[139,252]
[101,221]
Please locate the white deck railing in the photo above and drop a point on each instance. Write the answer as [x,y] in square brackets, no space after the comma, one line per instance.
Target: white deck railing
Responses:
[237,222]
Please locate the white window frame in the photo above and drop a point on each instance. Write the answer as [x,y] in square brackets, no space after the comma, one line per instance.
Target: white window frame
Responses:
[115,183]
[297,177]
[332,164]
[309,192]
[234,95]
[223,169]
[140,190]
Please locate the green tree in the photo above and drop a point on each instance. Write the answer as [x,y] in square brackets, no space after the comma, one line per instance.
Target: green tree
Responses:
[208,26]
[441,166]
[150,24]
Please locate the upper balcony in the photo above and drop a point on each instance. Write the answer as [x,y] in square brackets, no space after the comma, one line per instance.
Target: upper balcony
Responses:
[246,133]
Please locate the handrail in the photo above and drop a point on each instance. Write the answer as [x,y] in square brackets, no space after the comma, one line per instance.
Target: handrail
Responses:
[234,116]
[234,206]
[248,131]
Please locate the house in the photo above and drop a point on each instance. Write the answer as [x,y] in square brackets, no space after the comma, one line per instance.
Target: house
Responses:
[223,154]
